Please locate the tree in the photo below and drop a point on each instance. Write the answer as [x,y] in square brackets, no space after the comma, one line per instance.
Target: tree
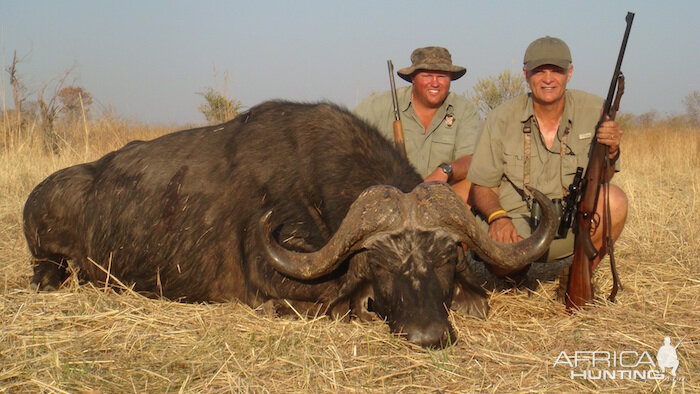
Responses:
[218,108]
[625,120]
[648,118]
[49,109]
[48,112]
[692,107]
[19,91]
[74,101]
[492,91]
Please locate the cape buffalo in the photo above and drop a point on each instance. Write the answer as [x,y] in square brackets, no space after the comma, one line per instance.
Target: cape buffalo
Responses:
[288,204]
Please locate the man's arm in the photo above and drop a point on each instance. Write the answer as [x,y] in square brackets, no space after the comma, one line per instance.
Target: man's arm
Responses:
[468,126]
[485,200]
[460,167]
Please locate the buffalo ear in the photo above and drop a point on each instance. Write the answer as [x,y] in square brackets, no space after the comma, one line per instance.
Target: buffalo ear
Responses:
[361,303]
[355,283]
[469,299]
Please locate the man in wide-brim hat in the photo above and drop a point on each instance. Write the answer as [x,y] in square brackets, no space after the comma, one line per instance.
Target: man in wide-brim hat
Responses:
[440,127]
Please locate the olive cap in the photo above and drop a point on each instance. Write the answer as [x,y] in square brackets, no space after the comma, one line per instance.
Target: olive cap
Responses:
[547,50]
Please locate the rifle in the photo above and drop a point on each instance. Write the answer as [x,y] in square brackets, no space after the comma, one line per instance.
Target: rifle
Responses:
[579,290]
[398,127]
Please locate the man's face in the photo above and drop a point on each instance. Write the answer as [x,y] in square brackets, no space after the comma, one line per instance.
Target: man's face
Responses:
[548,82]
[431,87]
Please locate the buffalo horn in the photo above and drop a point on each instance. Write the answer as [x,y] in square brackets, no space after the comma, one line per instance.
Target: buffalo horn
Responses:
[376,209]
[443,209]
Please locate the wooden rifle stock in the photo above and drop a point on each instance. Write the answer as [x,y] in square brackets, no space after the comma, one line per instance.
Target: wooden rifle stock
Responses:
[398,127]
[579,289]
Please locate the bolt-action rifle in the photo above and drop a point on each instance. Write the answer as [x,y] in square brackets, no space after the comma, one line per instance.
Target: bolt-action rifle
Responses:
[398,127]
[598,172]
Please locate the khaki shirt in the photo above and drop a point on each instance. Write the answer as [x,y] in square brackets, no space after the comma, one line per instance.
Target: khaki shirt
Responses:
[452,133]
[499,157]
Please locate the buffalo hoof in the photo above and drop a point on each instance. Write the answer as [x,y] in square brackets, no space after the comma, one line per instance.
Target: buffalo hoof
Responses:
[33,286]
[48,275]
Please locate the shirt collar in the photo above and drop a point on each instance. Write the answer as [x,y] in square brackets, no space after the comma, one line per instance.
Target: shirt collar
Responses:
[566,117]
[405,102]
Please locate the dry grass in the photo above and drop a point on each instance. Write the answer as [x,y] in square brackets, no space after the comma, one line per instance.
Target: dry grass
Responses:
[86,339]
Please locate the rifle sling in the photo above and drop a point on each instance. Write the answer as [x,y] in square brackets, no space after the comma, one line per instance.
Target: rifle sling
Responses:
[608,244]
[527,133]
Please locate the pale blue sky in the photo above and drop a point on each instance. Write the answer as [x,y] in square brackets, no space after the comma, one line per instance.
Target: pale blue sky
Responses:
[147,59]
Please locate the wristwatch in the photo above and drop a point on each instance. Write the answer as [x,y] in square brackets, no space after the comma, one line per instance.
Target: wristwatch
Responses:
[447,169]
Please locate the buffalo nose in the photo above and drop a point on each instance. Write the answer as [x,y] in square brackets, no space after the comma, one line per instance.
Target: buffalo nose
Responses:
[432,335]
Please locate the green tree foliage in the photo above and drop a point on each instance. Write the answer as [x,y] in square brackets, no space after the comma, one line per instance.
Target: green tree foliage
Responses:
[492,91]
[692,107]
[218,108]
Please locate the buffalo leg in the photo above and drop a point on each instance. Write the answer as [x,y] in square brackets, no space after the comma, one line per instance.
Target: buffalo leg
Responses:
[49,273]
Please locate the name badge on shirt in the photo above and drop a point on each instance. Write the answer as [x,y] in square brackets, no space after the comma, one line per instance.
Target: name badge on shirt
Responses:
[449,120]
[584,136]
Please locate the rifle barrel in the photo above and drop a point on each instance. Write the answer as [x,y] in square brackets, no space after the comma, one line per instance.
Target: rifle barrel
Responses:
[611,91]
[398,127]
[394,97]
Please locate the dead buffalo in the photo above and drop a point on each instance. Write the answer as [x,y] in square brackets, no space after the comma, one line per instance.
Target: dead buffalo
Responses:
[288,203]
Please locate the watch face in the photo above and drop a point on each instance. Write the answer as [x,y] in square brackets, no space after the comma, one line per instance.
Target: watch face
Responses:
[446,168]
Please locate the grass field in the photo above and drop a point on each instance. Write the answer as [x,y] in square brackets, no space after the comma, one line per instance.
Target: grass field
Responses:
[88,339]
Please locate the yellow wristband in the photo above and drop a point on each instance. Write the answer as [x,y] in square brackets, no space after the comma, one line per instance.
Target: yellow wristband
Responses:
[495,213]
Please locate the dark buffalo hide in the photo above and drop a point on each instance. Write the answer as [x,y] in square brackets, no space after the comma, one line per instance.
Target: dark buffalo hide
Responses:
[288,204]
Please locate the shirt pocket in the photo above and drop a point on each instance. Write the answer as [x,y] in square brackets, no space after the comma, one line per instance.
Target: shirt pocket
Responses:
[442,148]
[513,167]
[568,167]
[580,146]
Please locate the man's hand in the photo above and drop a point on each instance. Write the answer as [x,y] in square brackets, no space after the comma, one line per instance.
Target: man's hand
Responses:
[610,134]
[502,230]
[485,200]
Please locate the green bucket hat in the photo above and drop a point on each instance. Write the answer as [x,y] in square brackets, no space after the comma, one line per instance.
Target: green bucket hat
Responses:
[547,50]
[432,59]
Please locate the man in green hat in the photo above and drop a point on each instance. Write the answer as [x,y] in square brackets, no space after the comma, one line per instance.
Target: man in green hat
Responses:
[440,127]
[539,139]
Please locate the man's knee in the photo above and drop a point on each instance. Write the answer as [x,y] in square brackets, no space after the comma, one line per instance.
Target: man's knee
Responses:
[462,189]
[618,204]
